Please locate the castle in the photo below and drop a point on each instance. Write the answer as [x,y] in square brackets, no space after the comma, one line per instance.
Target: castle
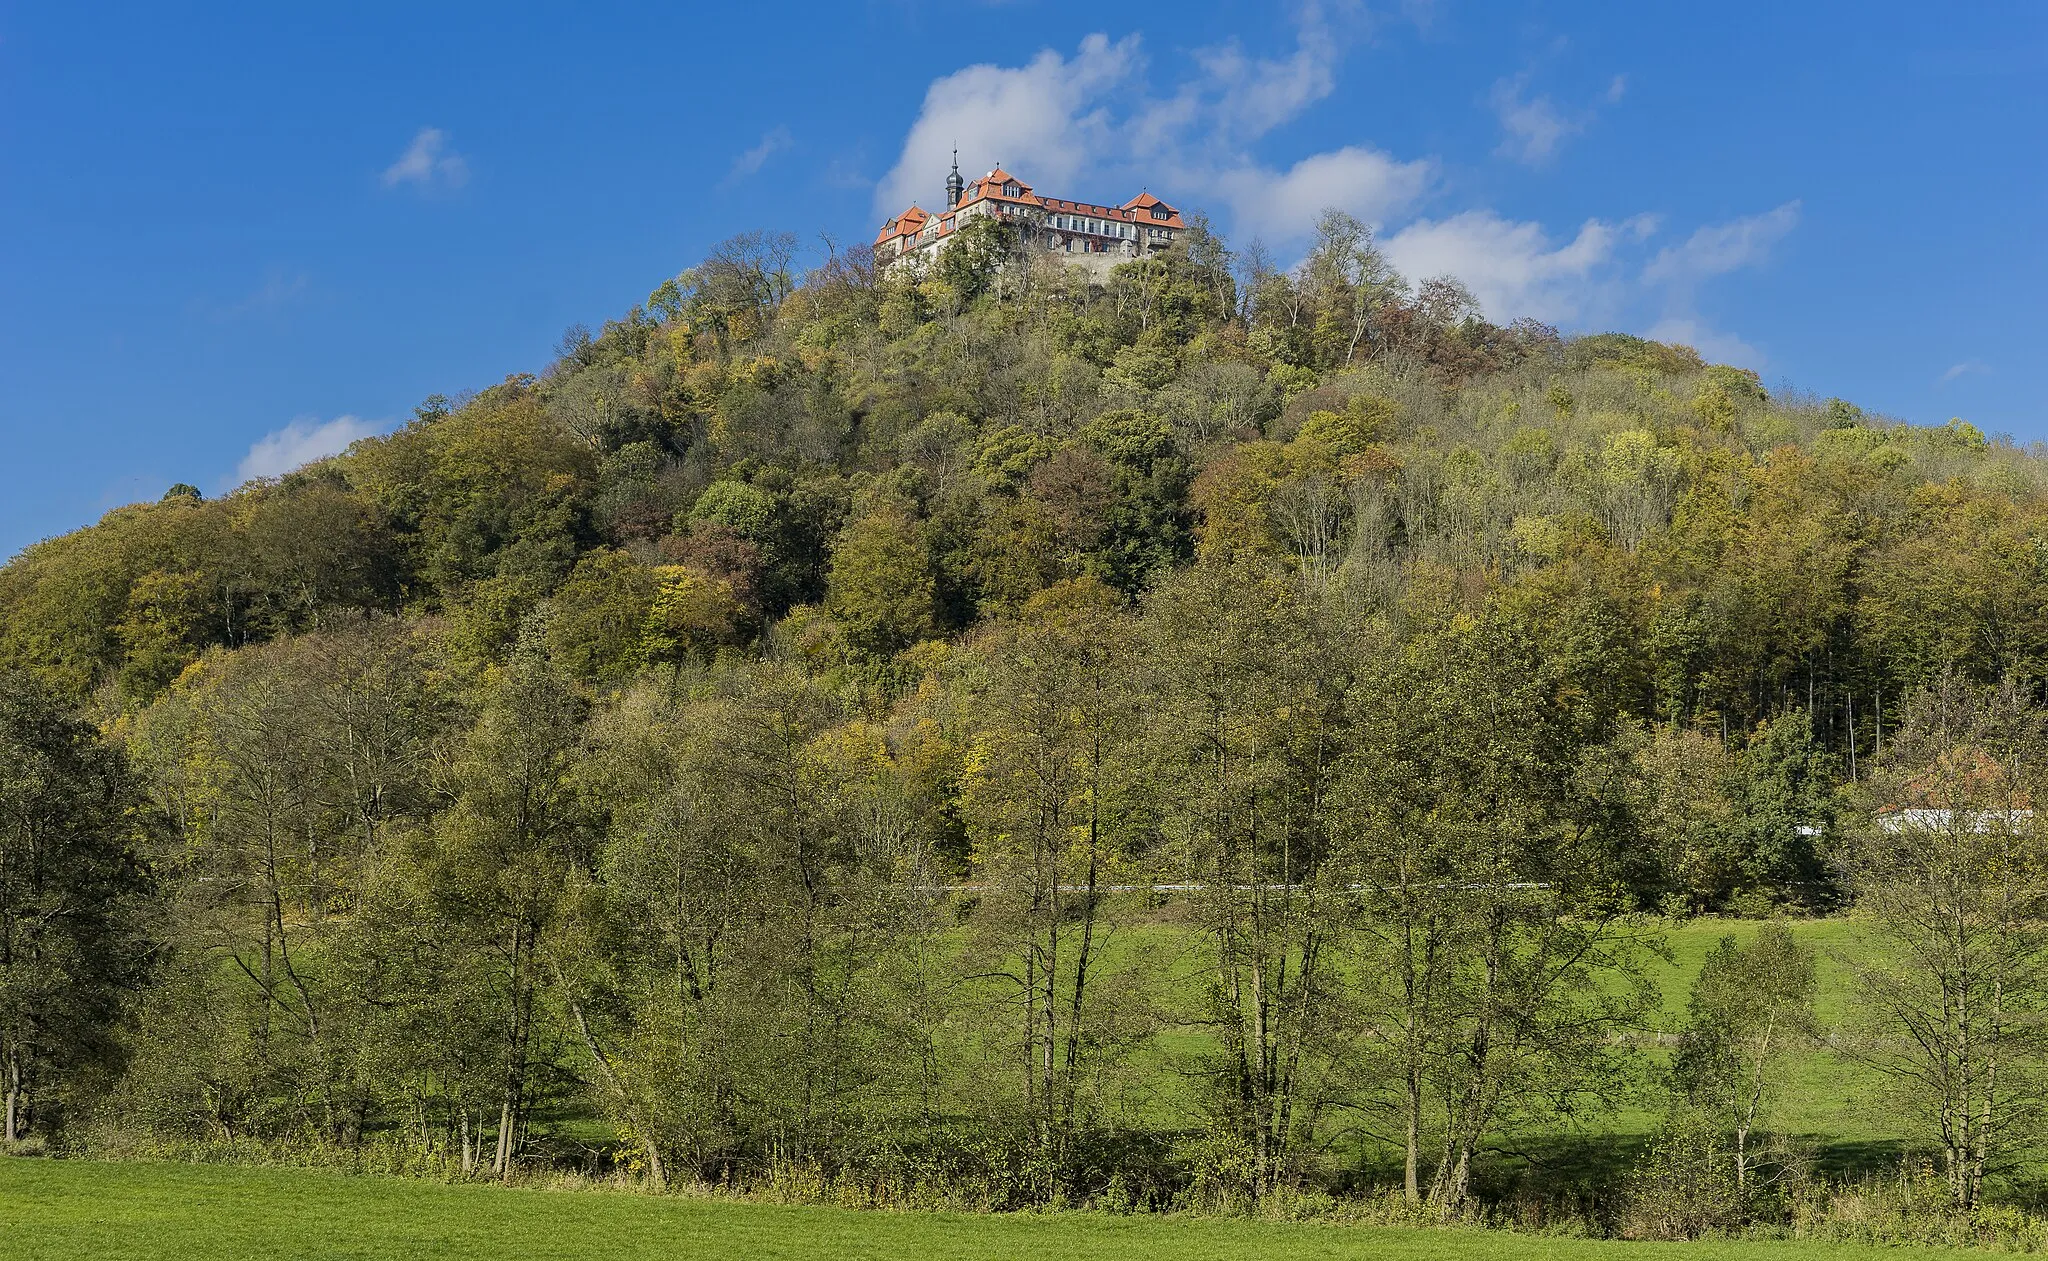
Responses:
[1094,237]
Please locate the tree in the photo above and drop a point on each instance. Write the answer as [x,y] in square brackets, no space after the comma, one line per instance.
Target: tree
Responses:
[1050,796]
[882,588]
[597,617]
[1751,1007]
[1347,278]
[72,886]
[977,253]
[1952,871]
[1782,787]
[514,835]
[283,769]
[1245,711]
[1479,829]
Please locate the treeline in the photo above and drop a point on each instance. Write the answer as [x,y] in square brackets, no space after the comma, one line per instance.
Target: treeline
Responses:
[1219,732]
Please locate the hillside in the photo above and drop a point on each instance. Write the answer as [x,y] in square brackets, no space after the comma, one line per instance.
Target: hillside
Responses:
[1003,740]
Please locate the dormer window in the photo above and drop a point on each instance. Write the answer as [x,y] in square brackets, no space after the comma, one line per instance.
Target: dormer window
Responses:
[1161,212]
[1010,190]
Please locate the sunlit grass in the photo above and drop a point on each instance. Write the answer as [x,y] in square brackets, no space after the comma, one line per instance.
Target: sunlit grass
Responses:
[60,1210]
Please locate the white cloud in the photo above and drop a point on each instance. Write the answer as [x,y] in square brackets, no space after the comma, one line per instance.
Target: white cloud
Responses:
[1531,130]
[1966,368]
[1089,124]
[1720,248]
[1515,270]
[428,162]
[1060,120]
[1713,250]
[1255,95]
[1713,345]
[1044,120]
[301,442]
[1284,205]
[751,162]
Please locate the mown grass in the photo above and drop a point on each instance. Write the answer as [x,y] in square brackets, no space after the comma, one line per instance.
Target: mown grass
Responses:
[63,1209]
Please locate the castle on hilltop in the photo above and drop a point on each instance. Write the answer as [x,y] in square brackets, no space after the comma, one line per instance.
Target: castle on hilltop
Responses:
[1094,237]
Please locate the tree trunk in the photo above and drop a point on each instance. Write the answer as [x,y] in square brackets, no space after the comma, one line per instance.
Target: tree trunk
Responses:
[14,1099]
[501,1163]
[1411,1182]
[642,1131]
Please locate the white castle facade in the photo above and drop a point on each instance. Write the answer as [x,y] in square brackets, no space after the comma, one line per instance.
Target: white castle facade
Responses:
[1091,236]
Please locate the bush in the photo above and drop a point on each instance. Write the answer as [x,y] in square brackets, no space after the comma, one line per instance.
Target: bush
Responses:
[1684,1186]
[1914,1206]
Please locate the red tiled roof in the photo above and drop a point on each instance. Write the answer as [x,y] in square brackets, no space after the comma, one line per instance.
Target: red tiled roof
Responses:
[1141,206]
[1137,210]
[905,224]
[990,186]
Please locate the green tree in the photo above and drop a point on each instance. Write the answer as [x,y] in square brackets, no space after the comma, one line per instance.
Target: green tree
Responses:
[1752,1007]
[1480,830]
[596,618]
[72,902]
[882,589]
[976,254]
[1952,871]
[1245,711]
[1051,796]
[514,835]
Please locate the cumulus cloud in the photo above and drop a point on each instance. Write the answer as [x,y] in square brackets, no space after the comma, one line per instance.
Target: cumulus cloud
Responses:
[1090,124]
[1715,346]
[750,163]
[1045,117]
[1720,248]
[1284,205]
[1514,268]
[299,443]
[1062,119]
[428,162]
[1597,278]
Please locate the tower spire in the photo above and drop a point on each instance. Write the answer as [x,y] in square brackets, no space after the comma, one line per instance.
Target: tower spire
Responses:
[955,186]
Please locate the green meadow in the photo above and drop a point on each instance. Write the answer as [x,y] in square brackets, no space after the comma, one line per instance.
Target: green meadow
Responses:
[61,1210]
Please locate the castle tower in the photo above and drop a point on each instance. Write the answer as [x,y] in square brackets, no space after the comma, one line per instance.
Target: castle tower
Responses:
[955,186]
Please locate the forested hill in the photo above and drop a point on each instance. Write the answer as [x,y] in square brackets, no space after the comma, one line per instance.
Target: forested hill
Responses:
[860,476]
[998,741]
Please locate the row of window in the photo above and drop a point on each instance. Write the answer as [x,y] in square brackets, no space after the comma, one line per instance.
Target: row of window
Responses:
[1097,227]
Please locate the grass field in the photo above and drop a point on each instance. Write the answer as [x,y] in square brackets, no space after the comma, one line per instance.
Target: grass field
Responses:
[1825,1099]
[62,1210]
[77,1209]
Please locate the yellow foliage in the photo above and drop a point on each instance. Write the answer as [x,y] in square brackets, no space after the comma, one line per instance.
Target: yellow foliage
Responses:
[693,614]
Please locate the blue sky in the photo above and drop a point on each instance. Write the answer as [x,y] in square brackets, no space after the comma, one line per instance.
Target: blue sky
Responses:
[233,236]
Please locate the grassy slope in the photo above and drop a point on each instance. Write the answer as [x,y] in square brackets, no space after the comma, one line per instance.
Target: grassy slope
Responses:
[78,1209]
[1825,1099]
[1828,1104]
[1832,1108]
